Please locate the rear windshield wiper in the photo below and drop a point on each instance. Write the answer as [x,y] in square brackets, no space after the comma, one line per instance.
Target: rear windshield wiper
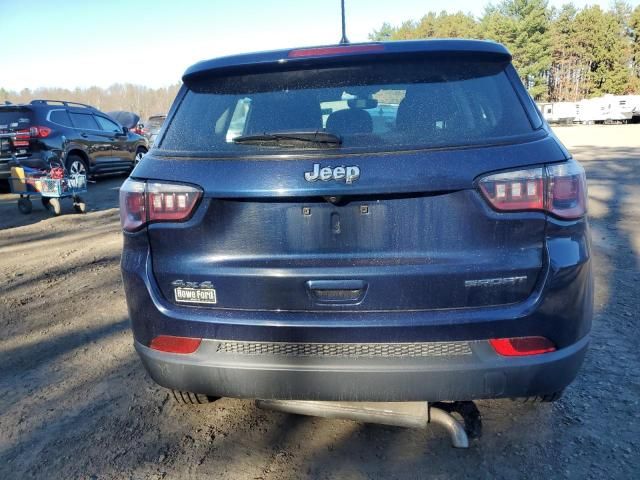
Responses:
[290,138]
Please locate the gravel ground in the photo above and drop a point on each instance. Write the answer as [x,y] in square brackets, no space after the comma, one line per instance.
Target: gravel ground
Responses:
[76,403]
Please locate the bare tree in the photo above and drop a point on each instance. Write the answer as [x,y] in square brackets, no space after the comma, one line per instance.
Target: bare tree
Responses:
[139,99]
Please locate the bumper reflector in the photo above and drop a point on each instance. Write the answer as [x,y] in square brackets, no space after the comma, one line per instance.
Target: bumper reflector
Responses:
[171,344]
[522,346]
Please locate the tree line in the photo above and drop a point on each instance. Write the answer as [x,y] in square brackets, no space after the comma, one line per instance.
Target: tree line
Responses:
[562,54]
[139,99]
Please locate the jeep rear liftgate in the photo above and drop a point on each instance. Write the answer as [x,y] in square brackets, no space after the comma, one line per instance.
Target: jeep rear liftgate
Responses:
[374,253]
[351,188]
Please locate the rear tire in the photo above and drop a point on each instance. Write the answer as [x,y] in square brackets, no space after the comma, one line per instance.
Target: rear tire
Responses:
[24,205]
[76,165]
[140,153]
[189,398]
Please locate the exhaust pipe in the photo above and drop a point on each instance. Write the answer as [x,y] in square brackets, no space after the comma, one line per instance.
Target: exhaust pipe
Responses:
[399,414]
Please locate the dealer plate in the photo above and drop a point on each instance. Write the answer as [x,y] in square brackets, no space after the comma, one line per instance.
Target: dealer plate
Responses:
[195,295]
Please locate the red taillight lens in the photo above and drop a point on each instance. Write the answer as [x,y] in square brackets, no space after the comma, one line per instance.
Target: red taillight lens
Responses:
[566,190]
[559,189]
[40,132]
[22,138]
[171,202]
[520,190]
[133,213]
[522,346]
[336,50]
[171,344]
[142,202]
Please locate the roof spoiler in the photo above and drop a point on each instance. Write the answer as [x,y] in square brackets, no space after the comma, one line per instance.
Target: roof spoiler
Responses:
[279,60]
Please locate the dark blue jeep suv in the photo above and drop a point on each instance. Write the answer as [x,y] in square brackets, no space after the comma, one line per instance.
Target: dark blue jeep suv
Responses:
[365,222]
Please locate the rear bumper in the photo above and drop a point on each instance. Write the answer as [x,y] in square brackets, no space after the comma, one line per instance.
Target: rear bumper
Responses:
[480,374]
[560,309]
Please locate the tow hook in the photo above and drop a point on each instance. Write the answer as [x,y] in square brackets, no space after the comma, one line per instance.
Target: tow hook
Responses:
[401,414]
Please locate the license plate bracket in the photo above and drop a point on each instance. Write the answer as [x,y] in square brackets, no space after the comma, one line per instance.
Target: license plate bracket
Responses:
[195,295]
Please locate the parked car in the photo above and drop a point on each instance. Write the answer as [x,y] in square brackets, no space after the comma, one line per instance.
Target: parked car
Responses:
[128,119]
[88,140]
[443,256]
[152,128]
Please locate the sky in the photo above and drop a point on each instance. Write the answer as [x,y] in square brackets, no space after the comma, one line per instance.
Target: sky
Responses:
[80,43]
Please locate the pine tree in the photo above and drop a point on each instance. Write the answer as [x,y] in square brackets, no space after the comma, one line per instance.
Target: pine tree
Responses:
[564,74]
[523,26]
[432,25]
[634,28]
[385,33]
[604,53]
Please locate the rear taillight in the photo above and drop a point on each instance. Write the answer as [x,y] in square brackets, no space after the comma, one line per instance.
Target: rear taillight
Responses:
[171,344]
[22,138]
[522,346]
[566,190]
[133,211]
[144,202]
[40,132]
[559,189]
[170,202]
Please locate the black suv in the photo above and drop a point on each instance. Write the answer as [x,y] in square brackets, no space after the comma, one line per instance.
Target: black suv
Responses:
[89,141]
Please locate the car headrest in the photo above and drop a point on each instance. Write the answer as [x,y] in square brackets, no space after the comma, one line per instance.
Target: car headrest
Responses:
[282,112]
[428,110]
[350,121]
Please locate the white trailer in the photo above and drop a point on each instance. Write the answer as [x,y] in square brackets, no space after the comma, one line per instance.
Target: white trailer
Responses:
[592,110]
[559,112]
[634,101]
[609,108]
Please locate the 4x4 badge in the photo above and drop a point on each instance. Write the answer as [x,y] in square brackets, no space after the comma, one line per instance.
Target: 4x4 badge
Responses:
[347,175]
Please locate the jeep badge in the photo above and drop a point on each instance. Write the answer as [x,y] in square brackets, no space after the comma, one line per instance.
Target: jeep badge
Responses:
[347,175]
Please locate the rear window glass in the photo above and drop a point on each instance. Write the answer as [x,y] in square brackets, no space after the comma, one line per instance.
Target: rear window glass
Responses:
[107,125]
[14,118]
[84,121]
[61,117]
[379,106]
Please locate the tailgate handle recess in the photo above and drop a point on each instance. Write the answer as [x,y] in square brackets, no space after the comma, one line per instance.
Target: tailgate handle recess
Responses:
[336,291]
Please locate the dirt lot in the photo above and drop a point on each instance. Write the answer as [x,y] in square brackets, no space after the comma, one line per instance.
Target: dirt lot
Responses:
[76,403]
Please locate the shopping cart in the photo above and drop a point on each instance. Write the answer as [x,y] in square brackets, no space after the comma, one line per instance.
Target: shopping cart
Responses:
[51,186]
